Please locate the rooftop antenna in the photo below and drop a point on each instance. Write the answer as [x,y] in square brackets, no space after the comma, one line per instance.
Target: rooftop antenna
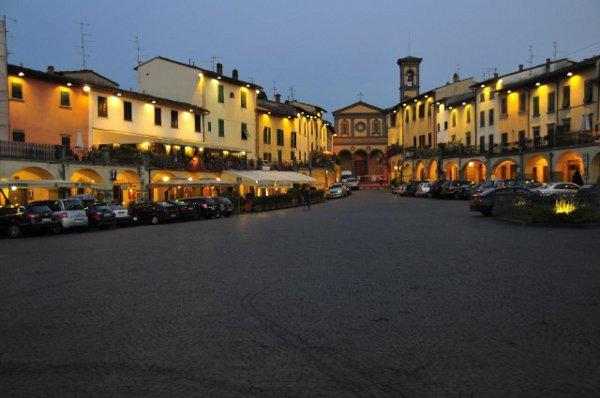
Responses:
[530,59]
[274,88]
[360,96]
[408,43]
[6,35]
[138,49]
[292,93]
[214,62]
[555,46]
[83,42]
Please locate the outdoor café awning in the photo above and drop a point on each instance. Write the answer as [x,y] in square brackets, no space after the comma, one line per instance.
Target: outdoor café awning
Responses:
[268,178]
[186,182]
[49,184]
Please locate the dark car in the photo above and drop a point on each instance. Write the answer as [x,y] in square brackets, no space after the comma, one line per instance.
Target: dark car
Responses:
[450,188]
[17,220]
[484,201]
[436,188]
[464,191]
[412,188]
[518,182]
[206,206]
[186,211]
[100,215]
[224,206]
[153,212]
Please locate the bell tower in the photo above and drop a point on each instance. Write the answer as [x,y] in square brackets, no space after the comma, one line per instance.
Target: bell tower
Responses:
[409,76]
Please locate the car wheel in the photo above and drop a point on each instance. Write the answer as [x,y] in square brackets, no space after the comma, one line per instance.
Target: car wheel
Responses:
[154,220]
[58,228]
[218,215]
[14,231]
[487,213]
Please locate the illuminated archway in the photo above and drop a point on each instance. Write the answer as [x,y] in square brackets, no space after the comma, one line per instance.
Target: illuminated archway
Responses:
[86,176]
[26,194]
[406,172]
[537,168]
[361,167]
[567,165]
[376,163]
[127,186]
[451,171]
[474,170]
[32,173]
[504,170]
[420,171]
[432,170]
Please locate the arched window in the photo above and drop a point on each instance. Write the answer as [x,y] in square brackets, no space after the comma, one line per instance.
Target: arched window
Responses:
[376,128]
[410,78]
[345,128]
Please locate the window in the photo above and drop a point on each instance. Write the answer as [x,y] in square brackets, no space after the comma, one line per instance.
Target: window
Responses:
[244,131]
[590,117]
[566,102]
[504,139]
[221,93]
[157,116]
[65,140]
[293,139]
[492,95]
[468,111]
[414,142]
[221,128]
[197,123]
[279,156]
[551,102]
[209,125]
[566,125]
[279,137]
[468,139]
[482,97]
[127,111]
[16,90]
[522,102]
[174,119]
[482,143]
[588,93]
[491,142]
[376,128]
[345,128]
[536,106]
[421,141]
[446,125]
[243,99]
[421,111]
[267,135]
[18,136]
[102,107]
[267,157]
[438,127]
[521,136]
[414,114]
[550,129]
[293,155]
[407,117]
[429,139]
[482,119]
[536,133]
[491,117]
[504,106]
[453,119]
[65,98]
[393,119]
[428,110]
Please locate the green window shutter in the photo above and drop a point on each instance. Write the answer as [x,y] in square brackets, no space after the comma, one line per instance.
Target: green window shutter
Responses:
[244,131]
[221,128]
[221,93]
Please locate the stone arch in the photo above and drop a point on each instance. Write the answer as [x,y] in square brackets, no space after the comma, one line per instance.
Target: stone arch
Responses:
[432,170]
[567,164]
[420,171]
[126,186]
[376,162]
[33,173]
[361,166]
[407,172]
[162,175]
[451,171]
[594,170]
[504,169]
[345,158]
[537,168]
[474,170]
[25,194]
[87,176]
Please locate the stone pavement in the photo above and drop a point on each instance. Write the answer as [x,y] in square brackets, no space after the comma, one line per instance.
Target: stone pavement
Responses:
[368,296]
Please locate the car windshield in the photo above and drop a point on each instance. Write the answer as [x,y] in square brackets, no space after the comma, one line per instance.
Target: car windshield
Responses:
[117,207]
[73,204]
[38,209]
[334,186]
[211,201]
[352,179]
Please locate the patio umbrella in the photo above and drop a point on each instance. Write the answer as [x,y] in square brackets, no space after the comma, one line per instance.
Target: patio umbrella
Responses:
[585,123]
[79,141]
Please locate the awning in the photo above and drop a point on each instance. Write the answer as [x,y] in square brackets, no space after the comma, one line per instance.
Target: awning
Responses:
[49,184]
[271,178]
[188,183]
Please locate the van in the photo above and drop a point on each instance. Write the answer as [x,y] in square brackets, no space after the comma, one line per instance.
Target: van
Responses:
[346,174]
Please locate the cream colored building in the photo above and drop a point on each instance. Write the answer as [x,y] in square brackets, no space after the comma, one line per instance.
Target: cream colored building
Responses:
[231,124]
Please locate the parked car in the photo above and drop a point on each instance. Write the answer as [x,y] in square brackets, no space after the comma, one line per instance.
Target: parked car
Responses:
[411,189]
[122,216]
[100,215]
[484,201]
[18,220]
[352,183]
[589,191]
[558,188]
[154,212]
[186,211]
[518,182]
[422,189]
[336,190]
[206,206]
[224,206]
[450,188]
[68,213]
[464,191]
[435,188]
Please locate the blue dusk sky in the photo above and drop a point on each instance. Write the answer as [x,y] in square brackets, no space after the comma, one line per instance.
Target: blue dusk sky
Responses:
[327,50]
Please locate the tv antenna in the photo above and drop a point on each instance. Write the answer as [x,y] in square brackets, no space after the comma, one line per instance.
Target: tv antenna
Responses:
[6,35]
[555,46]
[83,42]
[360,96]
[292,95]
[274,88]
[138,49]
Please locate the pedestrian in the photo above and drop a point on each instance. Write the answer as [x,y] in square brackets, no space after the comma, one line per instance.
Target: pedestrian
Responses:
[577,179]
[306,197]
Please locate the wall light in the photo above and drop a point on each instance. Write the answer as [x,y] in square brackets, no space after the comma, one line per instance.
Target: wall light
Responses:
[200,74]
[482,86]
[119,94]
[153,101]
[165,178]
[471,164]
[13,188]
[537,84]
[190,178]
[257,91]
[86,88]
[69,84]
[570,74]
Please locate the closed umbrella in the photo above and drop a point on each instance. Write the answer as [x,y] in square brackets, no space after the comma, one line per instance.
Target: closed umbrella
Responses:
[585,123]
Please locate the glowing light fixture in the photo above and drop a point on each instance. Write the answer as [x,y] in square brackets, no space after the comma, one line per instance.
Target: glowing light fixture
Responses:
[471,164]
[218,77]
[119,94]
[570,74]
[13,188]
[69,84]
[247,85]
[86,88]
[200,74]
[268,113]
[191,111]
[21,74]
[165,178]
[482,86]
[464,103]
[243,153]
[153,101]
[257,91]
[537,84]
[190,178]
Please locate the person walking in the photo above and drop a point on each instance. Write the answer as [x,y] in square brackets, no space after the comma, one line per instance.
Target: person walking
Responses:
[306,197]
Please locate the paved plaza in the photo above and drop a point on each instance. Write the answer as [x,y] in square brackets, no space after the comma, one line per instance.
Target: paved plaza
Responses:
[369,296]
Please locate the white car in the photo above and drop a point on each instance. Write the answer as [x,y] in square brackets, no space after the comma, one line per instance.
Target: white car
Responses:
[558,188]
[423,189]
[352,183]
[68,212]
[336,190]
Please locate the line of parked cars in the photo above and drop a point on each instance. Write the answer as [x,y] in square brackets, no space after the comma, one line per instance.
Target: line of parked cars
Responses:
[84,212]
[341,189]
[481,195]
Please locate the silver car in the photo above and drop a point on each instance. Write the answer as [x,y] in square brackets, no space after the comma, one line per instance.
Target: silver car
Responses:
[352,183]
[336,190]
[68,212]
[558,188]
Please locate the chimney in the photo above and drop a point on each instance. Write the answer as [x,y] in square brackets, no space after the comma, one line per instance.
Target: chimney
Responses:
[220,69]
[495,75]
[455,78]
[520,67]
[50,70]
[277,97]
[234,74]
[548,60]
